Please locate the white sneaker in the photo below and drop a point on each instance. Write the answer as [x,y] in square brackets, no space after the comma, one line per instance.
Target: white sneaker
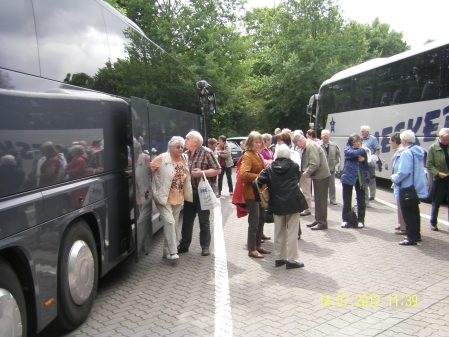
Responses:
[172,257]
[344,225]
[361,225]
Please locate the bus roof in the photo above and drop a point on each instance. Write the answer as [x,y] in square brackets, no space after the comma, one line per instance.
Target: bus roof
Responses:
[375,63]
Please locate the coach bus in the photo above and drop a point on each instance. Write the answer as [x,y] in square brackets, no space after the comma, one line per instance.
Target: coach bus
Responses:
[71,207]
[407,91]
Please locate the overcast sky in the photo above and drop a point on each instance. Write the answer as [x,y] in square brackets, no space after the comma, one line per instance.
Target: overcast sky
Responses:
[417,20]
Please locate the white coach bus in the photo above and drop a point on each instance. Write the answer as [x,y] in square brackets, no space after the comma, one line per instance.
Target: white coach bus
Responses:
[407,91]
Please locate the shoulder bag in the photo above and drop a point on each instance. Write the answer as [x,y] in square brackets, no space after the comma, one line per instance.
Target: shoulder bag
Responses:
[407,195]
[262,196]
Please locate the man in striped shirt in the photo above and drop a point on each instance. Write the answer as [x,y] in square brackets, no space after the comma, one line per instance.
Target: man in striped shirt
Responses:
[201,159]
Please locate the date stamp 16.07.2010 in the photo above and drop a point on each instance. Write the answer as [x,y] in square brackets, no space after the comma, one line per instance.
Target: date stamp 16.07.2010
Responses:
[369,300]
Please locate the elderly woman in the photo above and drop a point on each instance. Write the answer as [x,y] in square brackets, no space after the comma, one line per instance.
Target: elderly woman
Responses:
[408,172]
[266,152]
[286,202]
[396,145]
[252,164]
[75,169]
[48,165]
[169,190]
[355,174]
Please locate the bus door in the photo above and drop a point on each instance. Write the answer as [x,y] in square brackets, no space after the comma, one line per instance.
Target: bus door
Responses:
[143,206]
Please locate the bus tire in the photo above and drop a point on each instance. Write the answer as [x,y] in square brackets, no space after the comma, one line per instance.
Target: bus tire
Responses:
[13,314]
[77,276]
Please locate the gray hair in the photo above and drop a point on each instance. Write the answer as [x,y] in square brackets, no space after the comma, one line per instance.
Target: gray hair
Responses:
[286,130]
[408,136]
[444,132]
[266,137]
[297,135]
[175,140]
[363,127]
[277,130]
[282,151]
[197,136]
[77,150]
[325,131]
[8,159]
[298,131]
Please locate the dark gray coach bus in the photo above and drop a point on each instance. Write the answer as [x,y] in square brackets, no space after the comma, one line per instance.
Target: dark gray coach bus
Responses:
[70,205]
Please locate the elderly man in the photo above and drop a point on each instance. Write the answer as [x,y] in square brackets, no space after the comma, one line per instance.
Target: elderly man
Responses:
[201,159]
[314,165]
[370,142]
[438,166]
[332,152]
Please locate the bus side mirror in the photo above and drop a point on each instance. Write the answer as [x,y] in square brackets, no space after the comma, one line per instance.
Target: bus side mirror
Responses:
[309,109]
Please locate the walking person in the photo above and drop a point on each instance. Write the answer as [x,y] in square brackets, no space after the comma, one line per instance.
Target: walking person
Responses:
[252,164]
[438,166]
[355,174]
[226,163]
[370,142]
[332,152]
[168,184]
[286,201]
[408,172]
[201,160]
[396,145]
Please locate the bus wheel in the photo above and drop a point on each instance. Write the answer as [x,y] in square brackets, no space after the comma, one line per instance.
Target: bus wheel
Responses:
[13,315]
[77,276]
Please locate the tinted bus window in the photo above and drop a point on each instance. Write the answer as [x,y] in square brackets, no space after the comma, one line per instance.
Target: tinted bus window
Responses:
[18,46]
[62,38]
[363,90]
[388,84]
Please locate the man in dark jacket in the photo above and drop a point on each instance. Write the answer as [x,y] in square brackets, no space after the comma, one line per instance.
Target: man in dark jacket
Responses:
[286,202]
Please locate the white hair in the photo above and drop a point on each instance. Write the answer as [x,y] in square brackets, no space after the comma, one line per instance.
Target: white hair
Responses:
[286,130]
[444,132]
[282,151]
[297,135]
[326,131]
[197,136]
[7,159]
[408,136]
[175,140]
[363,127]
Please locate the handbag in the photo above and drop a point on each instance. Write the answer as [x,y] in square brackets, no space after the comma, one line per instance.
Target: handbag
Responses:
[269,218]
[351,219]
[207,197]
[263,196]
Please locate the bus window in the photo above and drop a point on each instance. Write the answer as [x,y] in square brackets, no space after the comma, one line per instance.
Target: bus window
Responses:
[388,81]
[423,76]
[363,90]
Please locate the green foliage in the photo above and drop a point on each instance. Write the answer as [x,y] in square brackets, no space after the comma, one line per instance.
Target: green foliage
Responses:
[263,64]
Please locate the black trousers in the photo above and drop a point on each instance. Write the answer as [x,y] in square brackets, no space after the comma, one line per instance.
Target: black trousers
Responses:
[191,209]
[228,171]
[412,221]
[440,190]
[347,201]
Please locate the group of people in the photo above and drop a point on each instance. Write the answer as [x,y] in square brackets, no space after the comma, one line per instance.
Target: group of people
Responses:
[289,170]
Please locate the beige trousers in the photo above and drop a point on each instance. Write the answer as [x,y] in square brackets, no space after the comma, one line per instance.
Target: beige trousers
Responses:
[286,236]
[305,184]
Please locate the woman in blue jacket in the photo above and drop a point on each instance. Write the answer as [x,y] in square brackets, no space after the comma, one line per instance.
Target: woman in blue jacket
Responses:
[355,174]
[409,171]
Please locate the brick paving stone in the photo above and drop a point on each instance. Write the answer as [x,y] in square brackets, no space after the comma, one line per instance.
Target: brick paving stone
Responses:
[156,297]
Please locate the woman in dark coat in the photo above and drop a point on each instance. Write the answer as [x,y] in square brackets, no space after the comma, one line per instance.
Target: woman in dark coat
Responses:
[286,202]
[355,174]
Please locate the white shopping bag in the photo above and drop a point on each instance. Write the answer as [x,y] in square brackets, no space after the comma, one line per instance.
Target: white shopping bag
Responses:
[207,197]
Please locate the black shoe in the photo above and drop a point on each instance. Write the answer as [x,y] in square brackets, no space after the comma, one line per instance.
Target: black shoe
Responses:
[291,265]
[205,252]
[318,227]
[182,249]
[299,237]
[407,243]
[312,224]
[333,203]
[371,198]
[279,263]
[305,213]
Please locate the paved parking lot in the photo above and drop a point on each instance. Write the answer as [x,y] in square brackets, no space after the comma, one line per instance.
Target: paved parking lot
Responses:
[356,282]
